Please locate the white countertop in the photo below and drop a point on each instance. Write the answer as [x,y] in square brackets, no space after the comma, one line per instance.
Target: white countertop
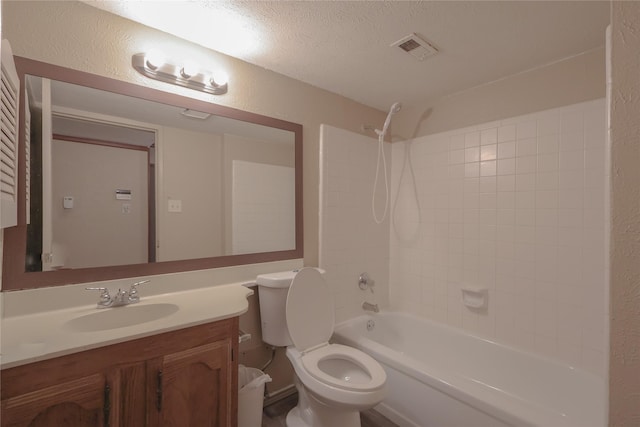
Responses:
[45,335]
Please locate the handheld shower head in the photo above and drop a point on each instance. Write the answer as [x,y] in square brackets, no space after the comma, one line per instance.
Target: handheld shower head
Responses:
[393,110]
[381,133]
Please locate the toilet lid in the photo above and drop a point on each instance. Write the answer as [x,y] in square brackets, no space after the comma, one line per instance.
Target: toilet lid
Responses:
[310,311]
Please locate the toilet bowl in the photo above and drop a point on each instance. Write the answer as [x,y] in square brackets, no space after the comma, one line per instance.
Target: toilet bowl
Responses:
[339,375]
[334,382]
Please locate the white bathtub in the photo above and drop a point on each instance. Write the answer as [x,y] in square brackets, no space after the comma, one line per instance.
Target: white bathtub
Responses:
[443,377]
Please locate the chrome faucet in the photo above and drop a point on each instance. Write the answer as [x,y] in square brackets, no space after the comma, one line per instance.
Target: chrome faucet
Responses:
[122,297]
[366,306]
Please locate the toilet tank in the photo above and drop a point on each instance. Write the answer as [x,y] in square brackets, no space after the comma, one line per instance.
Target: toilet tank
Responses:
[272,292]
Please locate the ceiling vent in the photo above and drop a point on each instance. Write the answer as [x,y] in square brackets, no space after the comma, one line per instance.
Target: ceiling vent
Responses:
[415,46]
[195,114]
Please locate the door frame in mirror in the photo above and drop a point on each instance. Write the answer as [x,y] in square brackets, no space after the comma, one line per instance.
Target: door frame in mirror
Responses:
[14,276]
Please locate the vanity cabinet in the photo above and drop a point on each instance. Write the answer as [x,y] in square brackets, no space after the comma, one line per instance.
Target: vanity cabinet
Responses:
[83,402]
[186,377]
[189,387]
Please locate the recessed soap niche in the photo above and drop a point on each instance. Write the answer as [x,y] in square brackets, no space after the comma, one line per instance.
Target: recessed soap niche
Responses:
[475,298]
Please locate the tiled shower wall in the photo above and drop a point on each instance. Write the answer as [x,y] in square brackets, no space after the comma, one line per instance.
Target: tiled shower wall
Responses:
[517,207]
[350,240]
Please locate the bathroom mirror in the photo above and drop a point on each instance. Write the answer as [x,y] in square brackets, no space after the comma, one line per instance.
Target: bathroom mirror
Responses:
[127,181]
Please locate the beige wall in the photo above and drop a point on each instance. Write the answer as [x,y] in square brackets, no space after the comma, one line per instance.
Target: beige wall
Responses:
[82,37]
[624,363]
[576,79]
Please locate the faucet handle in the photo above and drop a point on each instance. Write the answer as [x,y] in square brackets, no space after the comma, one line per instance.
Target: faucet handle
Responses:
[133,291]
[365,282]
[133,285]
[105,298]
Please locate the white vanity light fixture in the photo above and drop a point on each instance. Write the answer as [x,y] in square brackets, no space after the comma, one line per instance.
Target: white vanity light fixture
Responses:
[189,75]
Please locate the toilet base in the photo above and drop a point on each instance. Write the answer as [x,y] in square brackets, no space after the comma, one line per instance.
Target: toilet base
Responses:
[294,419]
[310,412]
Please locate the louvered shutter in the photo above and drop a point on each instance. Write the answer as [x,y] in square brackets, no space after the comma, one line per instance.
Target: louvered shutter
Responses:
[9,110]
[27,151]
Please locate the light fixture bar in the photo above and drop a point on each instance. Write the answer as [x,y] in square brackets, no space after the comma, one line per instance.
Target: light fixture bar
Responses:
[176,75]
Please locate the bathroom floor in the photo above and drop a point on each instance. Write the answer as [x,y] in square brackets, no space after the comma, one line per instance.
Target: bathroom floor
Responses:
[275,415]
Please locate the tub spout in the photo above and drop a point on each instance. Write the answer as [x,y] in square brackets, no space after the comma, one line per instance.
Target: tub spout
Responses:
[370,307]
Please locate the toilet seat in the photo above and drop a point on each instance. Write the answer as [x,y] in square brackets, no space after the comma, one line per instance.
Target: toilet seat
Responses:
[337,352]
[332,391]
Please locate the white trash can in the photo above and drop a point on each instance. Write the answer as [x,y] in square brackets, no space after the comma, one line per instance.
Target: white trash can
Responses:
[251,383]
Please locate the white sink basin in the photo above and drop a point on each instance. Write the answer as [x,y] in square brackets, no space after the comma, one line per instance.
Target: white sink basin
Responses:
[47,333]
[120,317]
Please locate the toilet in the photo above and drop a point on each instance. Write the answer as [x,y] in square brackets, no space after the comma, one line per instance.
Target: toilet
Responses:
[334,382]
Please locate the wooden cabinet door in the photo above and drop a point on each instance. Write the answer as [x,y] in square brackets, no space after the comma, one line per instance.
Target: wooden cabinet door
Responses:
[192,387]
[85,402]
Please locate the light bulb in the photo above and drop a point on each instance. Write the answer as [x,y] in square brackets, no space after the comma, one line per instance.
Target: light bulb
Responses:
[220,78]
[189,69]
[154,59]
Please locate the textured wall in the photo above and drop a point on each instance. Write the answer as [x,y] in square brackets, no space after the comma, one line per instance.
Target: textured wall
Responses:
[624,368]
[78,36]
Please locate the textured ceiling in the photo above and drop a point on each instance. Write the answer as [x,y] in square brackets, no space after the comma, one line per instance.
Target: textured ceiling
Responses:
[344,46]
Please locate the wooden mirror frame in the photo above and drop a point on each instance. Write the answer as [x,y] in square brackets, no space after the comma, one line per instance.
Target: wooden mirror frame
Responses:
[15,277]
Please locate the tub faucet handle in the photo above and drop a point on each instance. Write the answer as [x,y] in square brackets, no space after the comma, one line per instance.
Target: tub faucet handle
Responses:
[365,282]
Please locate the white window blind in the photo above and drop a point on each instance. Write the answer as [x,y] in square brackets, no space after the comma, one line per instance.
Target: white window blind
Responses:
[9,110]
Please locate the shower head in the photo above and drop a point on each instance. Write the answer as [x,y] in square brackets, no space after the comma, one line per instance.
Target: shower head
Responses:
[393,110]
